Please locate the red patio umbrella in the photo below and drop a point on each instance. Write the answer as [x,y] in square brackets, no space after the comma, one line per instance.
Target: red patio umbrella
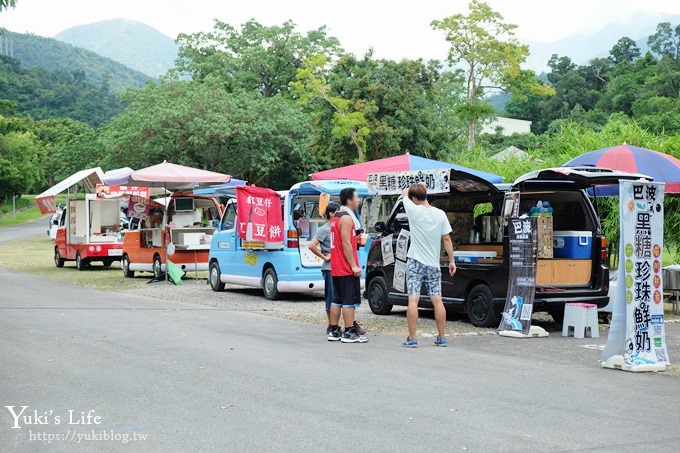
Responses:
[662,167]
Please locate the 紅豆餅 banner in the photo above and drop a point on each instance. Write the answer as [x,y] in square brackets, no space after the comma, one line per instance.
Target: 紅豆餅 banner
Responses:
[259,215]
[637,338]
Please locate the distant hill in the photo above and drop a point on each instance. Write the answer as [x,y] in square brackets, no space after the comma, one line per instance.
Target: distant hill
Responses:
[584,47]
[53,55]
[131,43]
[47,94]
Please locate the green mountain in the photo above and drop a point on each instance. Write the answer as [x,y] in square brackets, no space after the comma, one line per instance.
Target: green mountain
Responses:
[134,44]
[45,94]
[53,55]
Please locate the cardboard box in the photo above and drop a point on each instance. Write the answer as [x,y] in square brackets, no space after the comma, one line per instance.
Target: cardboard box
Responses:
[545,237]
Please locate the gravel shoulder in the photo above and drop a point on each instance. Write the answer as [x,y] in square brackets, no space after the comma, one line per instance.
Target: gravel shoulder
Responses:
[303,308]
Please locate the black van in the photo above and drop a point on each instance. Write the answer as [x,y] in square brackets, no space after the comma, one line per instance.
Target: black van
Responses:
[479,287]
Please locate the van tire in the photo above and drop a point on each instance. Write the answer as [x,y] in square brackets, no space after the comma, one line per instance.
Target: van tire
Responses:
[215,282]
[125,265]
[480,308]
[58,260]
[376,293]
[107,262]
[269,284]
[80,263]
[157,268]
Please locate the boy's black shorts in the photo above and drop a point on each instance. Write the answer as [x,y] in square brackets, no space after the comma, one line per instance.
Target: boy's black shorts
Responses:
[346,291]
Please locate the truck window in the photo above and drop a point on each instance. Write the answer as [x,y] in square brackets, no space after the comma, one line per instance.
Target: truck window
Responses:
[569,210]
[229,219]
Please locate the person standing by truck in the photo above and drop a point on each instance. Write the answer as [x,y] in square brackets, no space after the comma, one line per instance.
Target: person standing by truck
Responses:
[429,228]
[321,247]
[345,270]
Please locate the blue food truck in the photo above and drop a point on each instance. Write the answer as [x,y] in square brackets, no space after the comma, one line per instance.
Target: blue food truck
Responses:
[289,269]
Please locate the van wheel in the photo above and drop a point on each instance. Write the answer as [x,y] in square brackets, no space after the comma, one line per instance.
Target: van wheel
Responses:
[80,263]
[479,307]
[376,294]
[215,281]
[269,284]
[157,268]
[58,260]
[125,265]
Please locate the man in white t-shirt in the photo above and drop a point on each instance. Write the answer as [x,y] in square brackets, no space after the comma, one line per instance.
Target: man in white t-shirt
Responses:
[429,227]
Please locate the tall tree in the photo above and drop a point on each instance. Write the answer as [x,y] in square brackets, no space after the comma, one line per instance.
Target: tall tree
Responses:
[624,51]
[666,41]
[485,45]
[254,57]
[262,139]
[311,84]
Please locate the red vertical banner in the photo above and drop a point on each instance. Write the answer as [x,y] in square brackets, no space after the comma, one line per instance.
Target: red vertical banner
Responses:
[259,214]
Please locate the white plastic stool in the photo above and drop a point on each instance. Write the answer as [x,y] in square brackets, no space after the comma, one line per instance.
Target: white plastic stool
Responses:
[580,317]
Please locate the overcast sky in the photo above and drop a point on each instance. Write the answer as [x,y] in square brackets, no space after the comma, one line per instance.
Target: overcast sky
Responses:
[395,29]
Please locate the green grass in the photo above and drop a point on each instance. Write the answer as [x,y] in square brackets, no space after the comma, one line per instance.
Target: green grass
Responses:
[27,208]
[35,256]
[27,211]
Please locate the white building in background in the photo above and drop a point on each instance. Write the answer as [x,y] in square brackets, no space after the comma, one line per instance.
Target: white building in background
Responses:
[508,126]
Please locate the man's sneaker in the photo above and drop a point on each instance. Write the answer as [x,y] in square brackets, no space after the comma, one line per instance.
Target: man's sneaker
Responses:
[441,342]
[359,328]
[335,334]
[410,343]
[351,335]
[328,329]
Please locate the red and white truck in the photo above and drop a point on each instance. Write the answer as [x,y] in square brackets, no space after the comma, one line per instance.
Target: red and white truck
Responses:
[90,227]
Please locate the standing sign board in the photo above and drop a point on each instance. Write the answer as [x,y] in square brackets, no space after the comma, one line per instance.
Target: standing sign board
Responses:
[260,220]
[394,183]
[637,339]
[519,303]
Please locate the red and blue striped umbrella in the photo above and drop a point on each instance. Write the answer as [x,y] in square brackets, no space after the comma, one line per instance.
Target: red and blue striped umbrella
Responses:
[662,167]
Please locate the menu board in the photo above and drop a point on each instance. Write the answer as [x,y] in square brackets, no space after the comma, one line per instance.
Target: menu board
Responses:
[519,303]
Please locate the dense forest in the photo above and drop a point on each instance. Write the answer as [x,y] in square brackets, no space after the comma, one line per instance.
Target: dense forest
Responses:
[53,55]
[271,104]
[44,94]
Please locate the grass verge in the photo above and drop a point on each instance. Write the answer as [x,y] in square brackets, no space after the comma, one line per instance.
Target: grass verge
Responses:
[35,256]
[28,211]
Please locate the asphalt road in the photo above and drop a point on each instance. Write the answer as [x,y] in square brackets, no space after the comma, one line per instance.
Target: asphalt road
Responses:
[194,378]
[24,230]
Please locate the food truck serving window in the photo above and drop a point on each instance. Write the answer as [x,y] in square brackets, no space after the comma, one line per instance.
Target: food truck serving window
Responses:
[184,204]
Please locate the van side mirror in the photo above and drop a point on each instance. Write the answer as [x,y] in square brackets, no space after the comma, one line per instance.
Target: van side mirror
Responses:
[55,222]
[380,227]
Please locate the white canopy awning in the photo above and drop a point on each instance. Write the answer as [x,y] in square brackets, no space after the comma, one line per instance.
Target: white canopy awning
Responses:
[88,179]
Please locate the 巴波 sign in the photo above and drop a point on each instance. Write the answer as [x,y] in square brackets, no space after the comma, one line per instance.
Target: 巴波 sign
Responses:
[637,331]
[519,302]
[394,183]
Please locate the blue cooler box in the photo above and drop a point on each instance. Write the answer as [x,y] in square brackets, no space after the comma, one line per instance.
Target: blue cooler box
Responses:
[576,245]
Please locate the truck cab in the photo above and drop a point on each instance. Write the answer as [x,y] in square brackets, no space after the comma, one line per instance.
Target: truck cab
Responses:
[290,269]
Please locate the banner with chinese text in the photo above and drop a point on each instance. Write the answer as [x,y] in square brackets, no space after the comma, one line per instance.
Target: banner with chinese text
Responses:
[259,214]
[637,330]
[104,191]
[519,303]
[394,183]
